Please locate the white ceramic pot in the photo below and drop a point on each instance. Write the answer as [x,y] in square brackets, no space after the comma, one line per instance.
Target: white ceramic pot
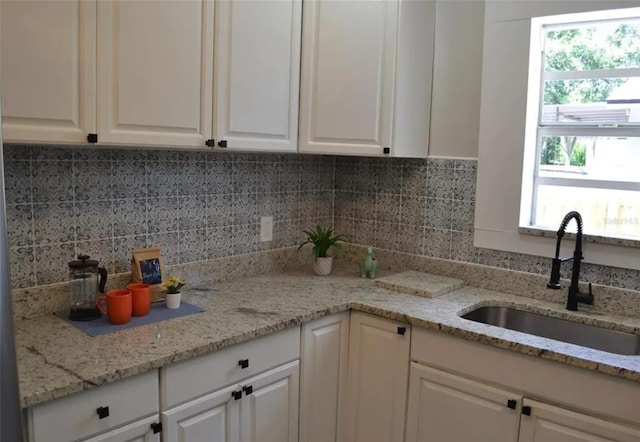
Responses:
[173,300]
[322,266]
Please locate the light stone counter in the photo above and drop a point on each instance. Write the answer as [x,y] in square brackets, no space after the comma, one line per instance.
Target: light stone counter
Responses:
[56,359]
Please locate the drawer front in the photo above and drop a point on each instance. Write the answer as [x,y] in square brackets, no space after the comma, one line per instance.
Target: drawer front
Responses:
[76,416]
[189,379]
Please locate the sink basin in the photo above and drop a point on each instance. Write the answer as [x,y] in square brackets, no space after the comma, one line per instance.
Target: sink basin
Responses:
[586,335]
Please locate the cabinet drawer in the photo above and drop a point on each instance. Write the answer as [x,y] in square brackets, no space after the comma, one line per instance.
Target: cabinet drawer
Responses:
[189,379]
[75,417]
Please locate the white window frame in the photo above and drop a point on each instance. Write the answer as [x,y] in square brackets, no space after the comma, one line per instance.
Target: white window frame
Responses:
[538,77]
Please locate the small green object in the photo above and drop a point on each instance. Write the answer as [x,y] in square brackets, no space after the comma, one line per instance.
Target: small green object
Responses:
[368,265]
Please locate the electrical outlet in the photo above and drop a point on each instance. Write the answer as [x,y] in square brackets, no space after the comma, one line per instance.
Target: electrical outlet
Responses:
[266,228]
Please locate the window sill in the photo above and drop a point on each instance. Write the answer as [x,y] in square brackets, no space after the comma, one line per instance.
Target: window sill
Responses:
[621,242]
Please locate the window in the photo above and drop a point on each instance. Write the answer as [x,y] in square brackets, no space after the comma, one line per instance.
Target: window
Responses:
[584,93]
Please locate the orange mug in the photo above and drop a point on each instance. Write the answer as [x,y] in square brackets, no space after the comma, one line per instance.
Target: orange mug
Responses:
[140,299]
[118,306]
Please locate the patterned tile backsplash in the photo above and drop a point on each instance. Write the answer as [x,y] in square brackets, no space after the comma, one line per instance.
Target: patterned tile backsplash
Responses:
[426,207]
[204,205]
[195,205]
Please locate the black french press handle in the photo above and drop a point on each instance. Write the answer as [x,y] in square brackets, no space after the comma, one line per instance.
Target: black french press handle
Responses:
[103,279]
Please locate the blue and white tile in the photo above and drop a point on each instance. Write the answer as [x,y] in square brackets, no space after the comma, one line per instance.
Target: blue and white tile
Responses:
[52,262]
[245,238]
[410,239]
[289,178]
[462,216]
[287,207]
[16,153]
[366,177]
[193,245]
[440,182]
[267,179]
[438,213]
[245,210]
[387,235]
[437,243]
[52,181]
[388,208]
[129,217]
[88,153]
[220,174]
[129,179]
[192,212]
[169,244]
[413,209]
[245,177]
[162,215]
[123,248]
[465,184]
[389,178]
[100,250]
[54,223]
[219,210]
[162,178]
[362,232]
[51,153]
[219,242]
[364,206]
[94,220]
[494,258]
[462,247]
[192,177]
[20,225]
[17,182]
[129,155]
[22,264]
[92,180]
[414,180]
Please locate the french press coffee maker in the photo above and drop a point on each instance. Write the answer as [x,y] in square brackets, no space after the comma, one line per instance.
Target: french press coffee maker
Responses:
[87,280]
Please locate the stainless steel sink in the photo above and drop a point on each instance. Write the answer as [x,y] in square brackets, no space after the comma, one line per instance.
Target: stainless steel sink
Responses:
[585,335]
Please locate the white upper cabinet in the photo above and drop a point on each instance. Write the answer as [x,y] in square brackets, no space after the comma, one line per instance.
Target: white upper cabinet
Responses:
[366,77]
[48,70]
[257,71]
[155,72]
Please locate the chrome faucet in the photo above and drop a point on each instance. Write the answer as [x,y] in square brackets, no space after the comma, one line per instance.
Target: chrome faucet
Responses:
[574,296]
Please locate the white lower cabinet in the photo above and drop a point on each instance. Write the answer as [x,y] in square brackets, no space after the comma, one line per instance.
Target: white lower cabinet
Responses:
[145,430]
[546,423]
[377,380]
[214,418]
[325,353]
[447,408]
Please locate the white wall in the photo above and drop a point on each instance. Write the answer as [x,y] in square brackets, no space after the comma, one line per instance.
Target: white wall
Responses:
[502,127]
[457,78]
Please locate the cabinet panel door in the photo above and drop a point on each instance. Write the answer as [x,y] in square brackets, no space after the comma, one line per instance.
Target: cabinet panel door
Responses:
[447,408]
[270,412]
[48,70]
[212,418]
[552,424]
[377,380]
[348,63]
[155,72]
[257,73]
[325,343]
[136,432]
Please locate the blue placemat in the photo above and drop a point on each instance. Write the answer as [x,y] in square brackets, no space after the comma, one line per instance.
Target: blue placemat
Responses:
[159,312]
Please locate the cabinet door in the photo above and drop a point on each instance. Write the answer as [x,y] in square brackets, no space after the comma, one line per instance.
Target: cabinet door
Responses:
[140,431]
[48,70]
[214,418]
[257,71]
[325,343]
[155,72]
[348,63]
[447,408]
[547,423]
[377,380]
[269,409]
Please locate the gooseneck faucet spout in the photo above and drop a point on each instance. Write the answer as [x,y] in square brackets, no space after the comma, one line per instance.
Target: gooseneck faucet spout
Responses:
[574,295]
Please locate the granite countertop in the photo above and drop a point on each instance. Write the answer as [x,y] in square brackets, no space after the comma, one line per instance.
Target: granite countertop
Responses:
[55,359]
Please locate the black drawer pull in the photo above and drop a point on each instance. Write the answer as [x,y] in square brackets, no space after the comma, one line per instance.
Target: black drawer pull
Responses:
[243,363]
[236,395]
[102,412]
[156,427]
[512,403]
[402,330]
[248,389]
[526,410]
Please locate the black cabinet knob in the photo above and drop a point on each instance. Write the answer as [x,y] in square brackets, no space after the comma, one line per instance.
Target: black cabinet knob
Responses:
[526,410]
[512,403]
[236,395]
[243,363]
[92,138]
[210,142]
[386,150]
[102,412]
[222,143]
[402,330]
[156,427]
[248,389]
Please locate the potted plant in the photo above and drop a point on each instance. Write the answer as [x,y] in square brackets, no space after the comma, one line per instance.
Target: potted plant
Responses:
[172,293]
[323,239]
